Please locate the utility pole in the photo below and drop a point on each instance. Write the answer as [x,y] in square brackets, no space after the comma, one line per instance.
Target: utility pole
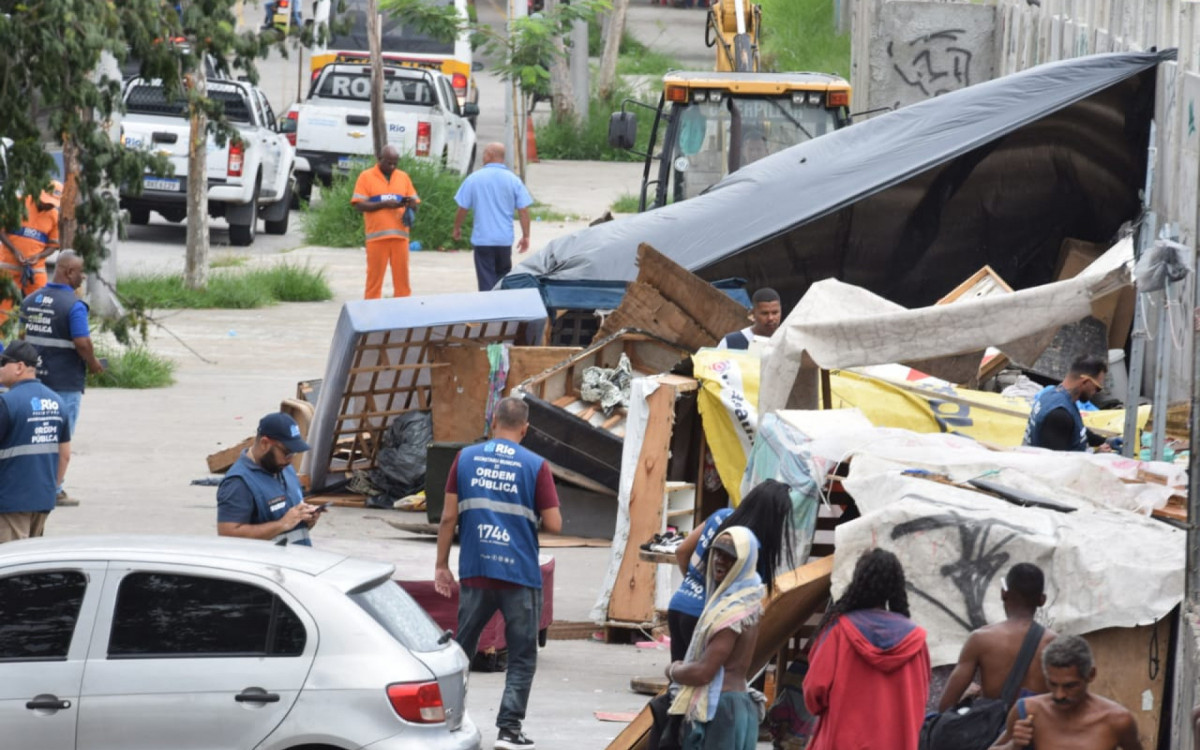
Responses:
[374,32]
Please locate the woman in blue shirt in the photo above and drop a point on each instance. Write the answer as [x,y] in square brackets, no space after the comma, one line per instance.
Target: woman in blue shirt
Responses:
[767,511]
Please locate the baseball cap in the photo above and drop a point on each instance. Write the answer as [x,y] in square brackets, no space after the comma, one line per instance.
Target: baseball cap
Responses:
[20,351]
[726,545]
[53,196]
[282,428]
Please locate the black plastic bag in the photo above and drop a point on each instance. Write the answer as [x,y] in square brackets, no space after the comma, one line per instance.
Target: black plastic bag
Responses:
[400,466]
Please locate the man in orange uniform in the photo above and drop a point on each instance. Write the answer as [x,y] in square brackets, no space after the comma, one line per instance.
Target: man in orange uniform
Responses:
[382,195]
[26,250]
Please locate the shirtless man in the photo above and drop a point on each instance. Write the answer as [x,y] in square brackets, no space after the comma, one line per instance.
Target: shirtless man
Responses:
[993,649]
[733,723]
[1068,717]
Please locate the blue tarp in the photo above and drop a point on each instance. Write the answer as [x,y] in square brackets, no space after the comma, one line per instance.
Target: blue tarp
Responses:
[379,356]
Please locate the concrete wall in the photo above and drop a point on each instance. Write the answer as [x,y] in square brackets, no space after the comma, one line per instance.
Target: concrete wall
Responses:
[922,50]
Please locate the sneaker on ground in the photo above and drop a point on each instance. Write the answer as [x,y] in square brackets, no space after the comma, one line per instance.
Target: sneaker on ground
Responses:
[63,499]
[510,740]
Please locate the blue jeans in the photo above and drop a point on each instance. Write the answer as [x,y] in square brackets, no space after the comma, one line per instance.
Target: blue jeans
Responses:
[522,611]
[491,263]
[71,400]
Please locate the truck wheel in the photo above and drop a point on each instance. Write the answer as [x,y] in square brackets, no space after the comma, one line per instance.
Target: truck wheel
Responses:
[281,226]
[303,191]
[139,216]
[241,235]
[471,163]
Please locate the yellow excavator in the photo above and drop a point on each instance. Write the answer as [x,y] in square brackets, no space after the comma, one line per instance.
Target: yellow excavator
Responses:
[712,123]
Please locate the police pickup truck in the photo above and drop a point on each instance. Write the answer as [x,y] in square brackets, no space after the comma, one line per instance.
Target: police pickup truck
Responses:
[249,178]
[424,119]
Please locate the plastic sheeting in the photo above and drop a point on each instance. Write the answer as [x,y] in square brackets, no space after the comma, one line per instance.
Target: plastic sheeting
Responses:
[837,325]
[910,203]
[781,452]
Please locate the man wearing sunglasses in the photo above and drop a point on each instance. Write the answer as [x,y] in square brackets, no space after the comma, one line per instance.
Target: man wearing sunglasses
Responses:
[35,444]
[1055,422]
[260,497]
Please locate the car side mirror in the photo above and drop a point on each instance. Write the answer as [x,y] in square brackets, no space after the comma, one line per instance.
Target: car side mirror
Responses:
[622,130]
[477,66]
[470,109]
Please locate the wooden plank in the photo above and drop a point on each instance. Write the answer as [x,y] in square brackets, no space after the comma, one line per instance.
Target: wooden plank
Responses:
[459,393]
[339,500]
[635,735]
[567,630]
[575,477]
[633,594]
[648,685]
[713,312]
[645,308]
[525,362]
[224,459]
[983,283]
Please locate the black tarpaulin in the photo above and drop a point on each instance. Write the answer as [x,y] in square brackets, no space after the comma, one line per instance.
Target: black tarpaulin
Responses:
[910,203]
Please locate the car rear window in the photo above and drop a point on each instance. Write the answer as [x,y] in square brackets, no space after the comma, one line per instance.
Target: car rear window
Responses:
[399,615]
[149,99]
[357,86]
[349,32]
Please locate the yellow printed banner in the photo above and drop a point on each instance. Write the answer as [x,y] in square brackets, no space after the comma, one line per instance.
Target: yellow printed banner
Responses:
[728,404]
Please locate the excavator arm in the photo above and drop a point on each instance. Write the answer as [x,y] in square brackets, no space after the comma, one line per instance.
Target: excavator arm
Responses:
[733,29]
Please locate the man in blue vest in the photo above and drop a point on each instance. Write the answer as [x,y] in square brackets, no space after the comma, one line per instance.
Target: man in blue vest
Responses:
[496,493]
[1055,422]
[767,313]
[55,321]
[260,497]
[35,445]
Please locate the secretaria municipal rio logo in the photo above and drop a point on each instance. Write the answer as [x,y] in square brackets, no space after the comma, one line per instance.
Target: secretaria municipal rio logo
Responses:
[43,404]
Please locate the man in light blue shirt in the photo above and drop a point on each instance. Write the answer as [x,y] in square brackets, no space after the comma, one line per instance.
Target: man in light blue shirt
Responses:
[494,193]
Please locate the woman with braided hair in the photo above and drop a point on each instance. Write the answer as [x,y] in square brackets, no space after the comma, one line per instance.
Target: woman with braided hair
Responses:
[868,674]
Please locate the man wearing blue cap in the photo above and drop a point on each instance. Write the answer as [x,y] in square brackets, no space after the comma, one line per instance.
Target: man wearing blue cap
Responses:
[260,497]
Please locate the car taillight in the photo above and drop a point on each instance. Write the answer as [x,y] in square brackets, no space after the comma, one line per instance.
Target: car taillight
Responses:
[291,134]
[459,81]
[424,135]
[236,157]
[418,702]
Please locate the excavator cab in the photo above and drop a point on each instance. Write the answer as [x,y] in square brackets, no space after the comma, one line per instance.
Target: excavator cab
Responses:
[713,124]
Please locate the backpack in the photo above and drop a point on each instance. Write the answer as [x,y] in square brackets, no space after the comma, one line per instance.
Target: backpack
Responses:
[976,725]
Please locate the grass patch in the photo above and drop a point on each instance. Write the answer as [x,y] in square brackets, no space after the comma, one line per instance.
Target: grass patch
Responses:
[626,204]
[283,282]
[333,222]
[589,140]
[638,59]
[229,260]
[136,367]
[541,212]
[802,36]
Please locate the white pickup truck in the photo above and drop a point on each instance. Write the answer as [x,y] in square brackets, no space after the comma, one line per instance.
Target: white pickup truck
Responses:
[423,116]
[249,178]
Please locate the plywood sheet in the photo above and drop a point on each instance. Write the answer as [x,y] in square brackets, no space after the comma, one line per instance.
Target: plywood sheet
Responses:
[224,459]
[633,594]
[459,387]
[1131,669]
[671,302]
[524,362]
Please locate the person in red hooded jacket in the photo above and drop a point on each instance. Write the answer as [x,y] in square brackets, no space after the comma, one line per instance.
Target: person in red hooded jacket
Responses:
[868,673]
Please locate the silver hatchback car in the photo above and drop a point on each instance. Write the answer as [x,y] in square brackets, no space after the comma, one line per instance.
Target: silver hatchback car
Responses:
[207,643]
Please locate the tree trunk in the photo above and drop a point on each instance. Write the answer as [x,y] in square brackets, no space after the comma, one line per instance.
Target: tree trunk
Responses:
[68,224]
[562,94]
[195,272]
[612,46]
[378,123]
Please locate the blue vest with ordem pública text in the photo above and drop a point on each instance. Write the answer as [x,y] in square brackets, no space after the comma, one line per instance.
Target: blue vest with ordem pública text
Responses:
[1046,402]
[47,317]
[37,422]
[497,513]
[273,495]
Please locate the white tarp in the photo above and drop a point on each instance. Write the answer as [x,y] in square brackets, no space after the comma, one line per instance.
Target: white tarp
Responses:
[1105,567]
[838,325]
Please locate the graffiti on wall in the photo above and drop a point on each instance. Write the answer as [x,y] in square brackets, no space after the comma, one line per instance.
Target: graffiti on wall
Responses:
[933,64]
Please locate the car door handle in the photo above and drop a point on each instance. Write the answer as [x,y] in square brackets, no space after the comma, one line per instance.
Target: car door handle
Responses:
[256,695]
[47,703]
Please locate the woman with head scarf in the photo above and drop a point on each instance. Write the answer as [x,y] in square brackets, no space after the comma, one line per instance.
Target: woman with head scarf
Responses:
[713,696]
[868,673]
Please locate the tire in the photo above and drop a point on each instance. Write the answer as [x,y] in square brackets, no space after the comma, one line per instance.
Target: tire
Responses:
[139,217]
[281,226]
[543,636]
[242,235]
[445,161]
[303,191]
[471,163]
[174,216]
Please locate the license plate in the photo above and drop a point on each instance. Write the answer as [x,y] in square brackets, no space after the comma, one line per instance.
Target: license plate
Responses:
[158,183]
[343,163]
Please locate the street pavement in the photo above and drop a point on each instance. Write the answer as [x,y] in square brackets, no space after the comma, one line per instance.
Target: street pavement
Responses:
[136,452]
